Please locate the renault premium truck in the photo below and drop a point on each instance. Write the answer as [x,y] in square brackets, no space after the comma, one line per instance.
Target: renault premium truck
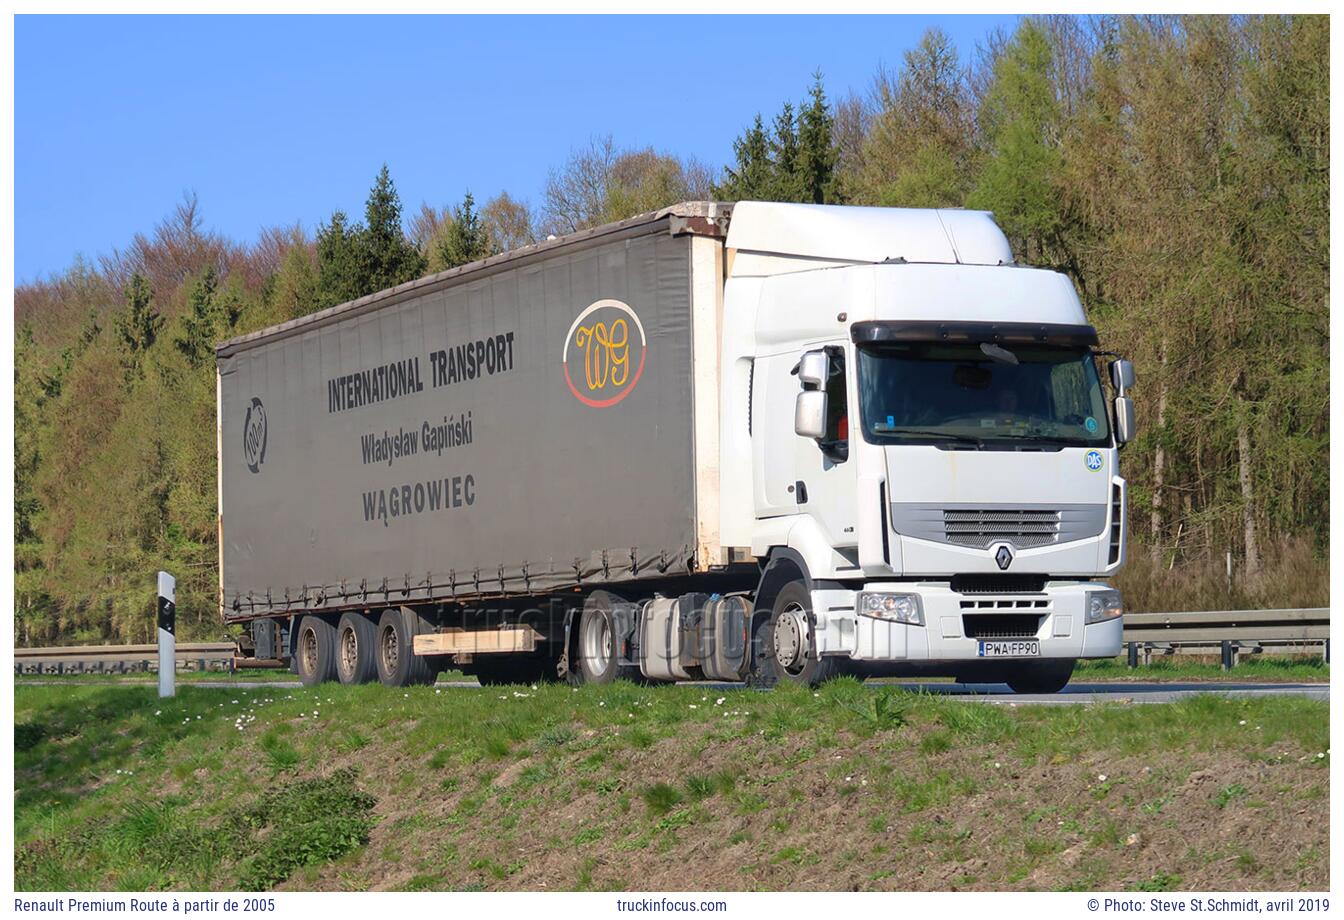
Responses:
[756,442]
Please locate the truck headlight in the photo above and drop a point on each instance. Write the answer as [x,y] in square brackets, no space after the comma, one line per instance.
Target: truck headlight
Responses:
[1103,605]
[898,608]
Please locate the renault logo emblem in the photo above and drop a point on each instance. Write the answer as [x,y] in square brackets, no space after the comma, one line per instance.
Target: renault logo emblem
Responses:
[1004,557]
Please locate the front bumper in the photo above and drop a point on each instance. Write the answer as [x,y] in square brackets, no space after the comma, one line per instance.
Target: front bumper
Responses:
[951,623]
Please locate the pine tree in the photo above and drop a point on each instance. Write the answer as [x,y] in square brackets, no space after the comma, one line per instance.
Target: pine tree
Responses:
[197,341]
[753,174]
[388,257]
[1021,122]
[786,184]
[465,239]
[138,325]
[339,266]
[816,148]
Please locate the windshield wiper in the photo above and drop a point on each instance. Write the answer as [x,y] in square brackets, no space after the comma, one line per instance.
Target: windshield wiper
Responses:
[933,433]
[1043,439]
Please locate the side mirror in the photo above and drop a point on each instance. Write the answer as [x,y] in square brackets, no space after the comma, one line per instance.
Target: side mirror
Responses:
[1122,375]
[1124,419]
[813,369]
[809,414]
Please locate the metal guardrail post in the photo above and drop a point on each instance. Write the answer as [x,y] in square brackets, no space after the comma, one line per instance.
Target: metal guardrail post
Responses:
[1229,657]
[1133,654]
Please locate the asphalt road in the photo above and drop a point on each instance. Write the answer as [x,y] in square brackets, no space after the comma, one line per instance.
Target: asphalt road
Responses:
[998,694]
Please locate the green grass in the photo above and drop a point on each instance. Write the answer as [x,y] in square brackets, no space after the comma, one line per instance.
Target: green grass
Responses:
[233,788]
[1195,667]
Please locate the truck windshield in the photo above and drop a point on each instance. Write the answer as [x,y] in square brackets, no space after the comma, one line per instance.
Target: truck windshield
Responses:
[933,392]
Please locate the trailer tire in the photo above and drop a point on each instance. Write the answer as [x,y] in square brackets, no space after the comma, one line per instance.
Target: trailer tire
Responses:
[597,649]
[315,650]
[396,661]
[356,636]
[784,645]
[1044,677]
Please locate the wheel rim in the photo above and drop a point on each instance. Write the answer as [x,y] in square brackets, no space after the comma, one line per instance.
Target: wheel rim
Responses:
[389,650]
[308,650]
[349,651]
[597,643]
[791,639]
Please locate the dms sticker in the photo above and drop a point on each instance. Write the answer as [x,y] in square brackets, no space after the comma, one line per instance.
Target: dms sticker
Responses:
[1093,460]
[254,436]
[602,359]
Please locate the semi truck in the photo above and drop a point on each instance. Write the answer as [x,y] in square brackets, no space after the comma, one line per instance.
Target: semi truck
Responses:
[755,442]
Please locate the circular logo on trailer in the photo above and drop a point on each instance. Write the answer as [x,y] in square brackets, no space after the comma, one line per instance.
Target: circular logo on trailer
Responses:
[1093,460]
[254,435]
[604,354]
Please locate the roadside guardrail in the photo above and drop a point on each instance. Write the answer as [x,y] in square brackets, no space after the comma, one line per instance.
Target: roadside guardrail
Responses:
[1230,634]
[121,659]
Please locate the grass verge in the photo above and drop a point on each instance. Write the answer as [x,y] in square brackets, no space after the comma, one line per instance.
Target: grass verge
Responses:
[623,786]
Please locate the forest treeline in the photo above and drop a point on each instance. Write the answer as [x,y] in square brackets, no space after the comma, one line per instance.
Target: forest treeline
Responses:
[1176,168]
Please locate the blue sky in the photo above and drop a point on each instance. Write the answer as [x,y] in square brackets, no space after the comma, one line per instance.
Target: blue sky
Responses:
[272,120]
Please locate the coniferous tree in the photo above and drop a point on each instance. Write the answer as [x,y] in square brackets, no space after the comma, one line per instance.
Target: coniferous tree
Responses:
[138,325]
[465,239]
[340,268]
[197,341]
[816,148]
[388,257]
[1020,118]
[753,174]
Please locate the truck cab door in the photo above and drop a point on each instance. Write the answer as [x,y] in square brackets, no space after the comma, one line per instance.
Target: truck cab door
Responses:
[825,481]
[774,388]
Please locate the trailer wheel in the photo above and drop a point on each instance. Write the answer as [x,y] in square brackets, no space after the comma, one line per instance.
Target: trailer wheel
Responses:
[355,640]
[1043,677]
[397,663]
[784,645]
[598,645]
[315,650]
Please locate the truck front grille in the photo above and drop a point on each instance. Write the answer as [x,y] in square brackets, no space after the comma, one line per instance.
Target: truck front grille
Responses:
[984,527]
[1001,625]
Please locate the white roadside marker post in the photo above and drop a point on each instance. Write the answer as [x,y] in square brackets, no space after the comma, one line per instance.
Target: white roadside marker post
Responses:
[167,635]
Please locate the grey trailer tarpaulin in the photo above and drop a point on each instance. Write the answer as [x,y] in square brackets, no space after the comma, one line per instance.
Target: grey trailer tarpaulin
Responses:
[511,429]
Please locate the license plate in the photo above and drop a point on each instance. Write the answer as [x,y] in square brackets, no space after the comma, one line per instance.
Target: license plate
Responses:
[1011,648]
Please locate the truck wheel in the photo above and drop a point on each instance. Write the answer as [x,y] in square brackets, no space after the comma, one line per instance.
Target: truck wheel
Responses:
[397,663]
[315,650]
[355,638]
[598,650]
[1046,677]
[784,646]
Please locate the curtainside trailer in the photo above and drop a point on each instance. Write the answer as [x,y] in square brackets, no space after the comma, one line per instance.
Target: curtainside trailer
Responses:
[753,442]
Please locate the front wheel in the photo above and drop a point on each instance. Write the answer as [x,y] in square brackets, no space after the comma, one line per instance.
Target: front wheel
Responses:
[1045,677]
[784,646]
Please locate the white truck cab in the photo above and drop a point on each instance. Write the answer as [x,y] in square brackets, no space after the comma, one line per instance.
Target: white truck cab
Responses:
[916,430]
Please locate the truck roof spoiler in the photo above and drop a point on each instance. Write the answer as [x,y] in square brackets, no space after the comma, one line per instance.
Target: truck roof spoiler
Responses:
[882,332]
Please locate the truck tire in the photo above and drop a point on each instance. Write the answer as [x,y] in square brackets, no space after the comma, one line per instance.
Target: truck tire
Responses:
[315,650]
[355,639]
[784,646]
[597,658]
[397,663]
[1044,677]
